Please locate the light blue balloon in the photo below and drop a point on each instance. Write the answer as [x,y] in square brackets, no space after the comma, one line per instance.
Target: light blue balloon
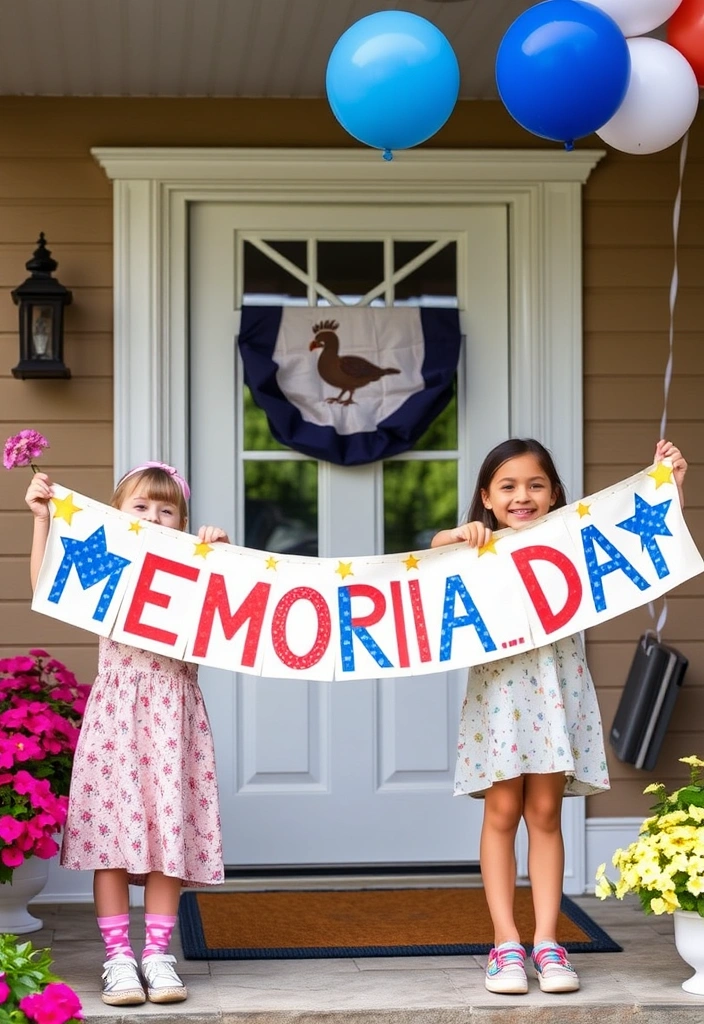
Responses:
[392,80]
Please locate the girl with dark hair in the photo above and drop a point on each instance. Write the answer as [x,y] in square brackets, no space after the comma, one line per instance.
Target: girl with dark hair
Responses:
[530,730]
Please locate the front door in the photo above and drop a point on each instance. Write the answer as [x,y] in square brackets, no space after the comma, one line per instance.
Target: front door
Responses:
[358,772]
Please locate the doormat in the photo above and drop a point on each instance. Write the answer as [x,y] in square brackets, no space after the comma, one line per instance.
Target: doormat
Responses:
[363,922]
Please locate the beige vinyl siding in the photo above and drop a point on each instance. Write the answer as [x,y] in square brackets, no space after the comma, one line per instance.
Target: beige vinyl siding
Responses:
[49,182]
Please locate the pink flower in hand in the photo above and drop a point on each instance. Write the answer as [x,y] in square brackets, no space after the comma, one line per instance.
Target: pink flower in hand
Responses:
[21,449]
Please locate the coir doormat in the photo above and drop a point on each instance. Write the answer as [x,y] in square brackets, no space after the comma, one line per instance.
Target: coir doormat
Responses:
[366,922]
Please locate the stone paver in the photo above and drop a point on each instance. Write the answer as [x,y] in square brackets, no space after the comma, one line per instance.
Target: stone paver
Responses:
[642,985]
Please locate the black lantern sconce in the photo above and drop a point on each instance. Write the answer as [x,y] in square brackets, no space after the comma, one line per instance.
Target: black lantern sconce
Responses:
[41,300]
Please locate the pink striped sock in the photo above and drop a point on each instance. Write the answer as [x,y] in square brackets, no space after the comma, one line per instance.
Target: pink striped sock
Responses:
[115,933]
[159,928]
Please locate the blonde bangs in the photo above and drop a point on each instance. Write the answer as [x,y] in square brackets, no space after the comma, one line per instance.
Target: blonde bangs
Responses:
[154,485]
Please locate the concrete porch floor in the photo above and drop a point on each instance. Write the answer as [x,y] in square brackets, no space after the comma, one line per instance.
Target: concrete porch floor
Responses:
[641,985]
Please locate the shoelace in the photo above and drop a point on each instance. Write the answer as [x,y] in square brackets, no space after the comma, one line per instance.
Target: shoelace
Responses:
[118,972]
[510,955]
[551,955]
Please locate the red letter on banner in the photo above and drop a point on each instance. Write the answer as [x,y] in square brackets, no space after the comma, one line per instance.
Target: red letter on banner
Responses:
[144,595]
[252,609]
[550,620]
[278,628]
[376,597]
[399,624]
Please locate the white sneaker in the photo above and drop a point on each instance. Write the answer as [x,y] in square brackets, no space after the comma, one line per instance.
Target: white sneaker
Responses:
[163,983]
[554,970]
[505,970]
[122,985]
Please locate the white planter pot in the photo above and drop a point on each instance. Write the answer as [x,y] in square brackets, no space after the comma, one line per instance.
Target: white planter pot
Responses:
[689,939]
[28,880]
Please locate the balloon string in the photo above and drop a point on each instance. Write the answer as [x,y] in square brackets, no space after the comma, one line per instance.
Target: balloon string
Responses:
[674,284]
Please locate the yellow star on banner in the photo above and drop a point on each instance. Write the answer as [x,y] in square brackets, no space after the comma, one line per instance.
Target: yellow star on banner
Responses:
[271,562]
[136,527]
[411,562]
[583,510]
[490,547]
[201,549]
[65,509]
[344,569]
[662,474]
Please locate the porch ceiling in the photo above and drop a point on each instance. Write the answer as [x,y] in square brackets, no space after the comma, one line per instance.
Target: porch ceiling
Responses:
[256,48]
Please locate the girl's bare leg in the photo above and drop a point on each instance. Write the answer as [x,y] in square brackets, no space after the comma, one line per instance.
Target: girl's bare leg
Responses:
[110,892]
[161,894]
[542,811]
[503,806]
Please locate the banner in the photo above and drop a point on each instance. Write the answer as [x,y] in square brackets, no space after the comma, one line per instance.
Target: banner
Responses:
[349,384]
[411,613]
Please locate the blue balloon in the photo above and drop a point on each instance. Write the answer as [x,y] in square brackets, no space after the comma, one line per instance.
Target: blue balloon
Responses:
[562,69]
[392,80]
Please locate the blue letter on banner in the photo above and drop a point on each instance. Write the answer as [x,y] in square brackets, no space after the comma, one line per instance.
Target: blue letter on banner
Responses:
[93,563]
[454,585]
[590,536]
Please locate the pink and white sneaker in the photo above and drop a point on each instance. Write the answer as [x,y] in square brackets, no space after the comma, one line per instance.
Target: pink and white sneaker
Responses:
[555,972]
[505,970]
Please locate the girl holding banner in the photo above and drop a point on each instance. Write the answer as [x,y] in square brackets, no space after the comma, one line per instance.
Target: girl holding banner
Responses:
[530,730]
[143,806]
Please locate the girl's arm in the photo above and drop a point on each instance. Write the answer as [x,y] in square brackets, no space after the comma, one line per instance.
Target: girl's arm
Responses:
[666,450]
[476,534]
[37,497]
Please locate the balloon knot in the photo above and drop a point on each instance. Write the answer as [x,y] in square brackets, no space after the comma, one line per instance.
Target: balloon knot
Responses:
[569,145]
[387,154]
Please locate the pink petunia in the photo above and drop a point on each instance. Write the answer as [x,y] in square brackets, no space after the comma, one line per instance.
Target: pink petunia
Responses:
[21,449]
[45,848]
[11,856]
[10,828]
[57,1004]
[4,988]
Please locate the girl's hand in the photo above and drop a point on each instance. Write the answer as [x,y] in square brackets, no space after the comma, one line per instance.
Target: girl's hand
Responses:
[212,535]
[38,494]
[476,534]
[666,450]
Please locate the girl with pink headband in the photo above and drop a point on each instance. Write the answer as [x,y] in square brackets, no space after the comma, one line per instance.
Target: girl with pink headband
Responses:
[143,807]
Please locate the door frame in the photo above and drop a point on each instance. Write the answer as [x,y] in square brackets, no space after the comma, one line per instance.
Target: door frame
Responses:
[152,190]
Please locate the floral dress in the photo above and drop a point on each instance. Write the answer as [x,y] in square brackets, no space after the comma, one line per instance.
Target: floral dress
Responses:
[143,789]
[534,713]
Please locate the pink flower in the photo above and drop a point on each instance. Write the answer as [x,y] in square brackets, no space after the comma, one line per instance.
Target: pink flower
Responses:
[45,848]
[10,828]
[11,856]
[21,449]
[4,988]
[55,1005]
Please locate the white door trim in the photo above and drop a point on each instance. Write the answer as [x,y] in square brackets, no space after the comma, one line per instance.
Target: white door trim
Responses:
[542,189]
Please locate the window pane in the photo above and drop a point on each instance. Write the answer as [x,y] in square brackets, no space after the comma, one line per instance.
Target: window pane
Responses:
[350,269]
[265,282]
[281,506]
[433,283]
[257,436]
[441,435]
[420,498]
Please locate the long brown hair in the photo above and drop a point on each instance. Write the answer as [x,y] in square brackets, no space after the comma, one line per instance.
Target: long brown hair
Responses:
[511,449]
[157,485]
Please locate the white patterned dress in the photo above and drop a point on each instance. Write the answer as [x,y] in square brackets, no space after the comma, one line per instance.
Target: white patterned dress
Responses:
[143,788]
[536,712]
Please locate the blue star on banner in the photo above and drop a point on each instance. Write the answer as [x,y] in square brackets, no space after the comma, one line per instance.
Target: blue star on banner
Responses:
[93,563]
[649,523]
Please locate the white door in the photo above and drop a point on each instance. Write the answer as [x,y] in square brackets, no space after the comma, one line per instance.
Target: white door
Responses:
[348,773]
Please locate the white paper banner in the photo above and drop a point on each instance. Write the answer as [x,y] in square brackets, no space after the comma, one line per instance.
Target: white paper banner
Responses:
[413,613]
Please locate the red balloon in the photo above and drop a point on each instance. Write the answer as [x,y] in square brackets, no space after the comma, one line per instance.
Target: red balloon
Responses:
[685,31]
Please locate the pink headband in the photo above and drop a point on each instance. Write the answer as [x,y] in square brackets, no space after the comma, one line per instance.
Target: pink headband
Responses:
[167,469]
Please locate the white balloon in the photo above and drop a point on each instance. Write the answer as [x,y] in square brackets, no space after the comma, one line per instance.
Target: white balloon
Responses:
[660,102]
[634,17]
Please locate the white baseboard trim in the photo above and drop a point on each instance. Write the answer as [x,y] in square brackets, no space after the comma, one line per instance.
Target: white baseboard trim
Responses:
[603,837]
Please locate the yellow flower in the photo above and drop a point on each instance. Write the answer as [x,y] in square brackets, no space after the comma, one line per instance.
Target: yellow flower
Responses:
[693,761]
[654,787]
[600,871]
[602,889]
[696,885]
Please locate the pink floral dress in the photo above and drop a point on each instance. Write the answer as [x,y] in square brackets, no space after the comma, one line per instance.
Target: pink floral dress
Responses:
[144,790]
[534,713]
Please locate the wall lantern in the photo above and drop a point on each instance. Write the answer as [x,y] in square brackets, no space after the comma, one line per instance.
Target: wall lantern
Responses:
[41,300]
